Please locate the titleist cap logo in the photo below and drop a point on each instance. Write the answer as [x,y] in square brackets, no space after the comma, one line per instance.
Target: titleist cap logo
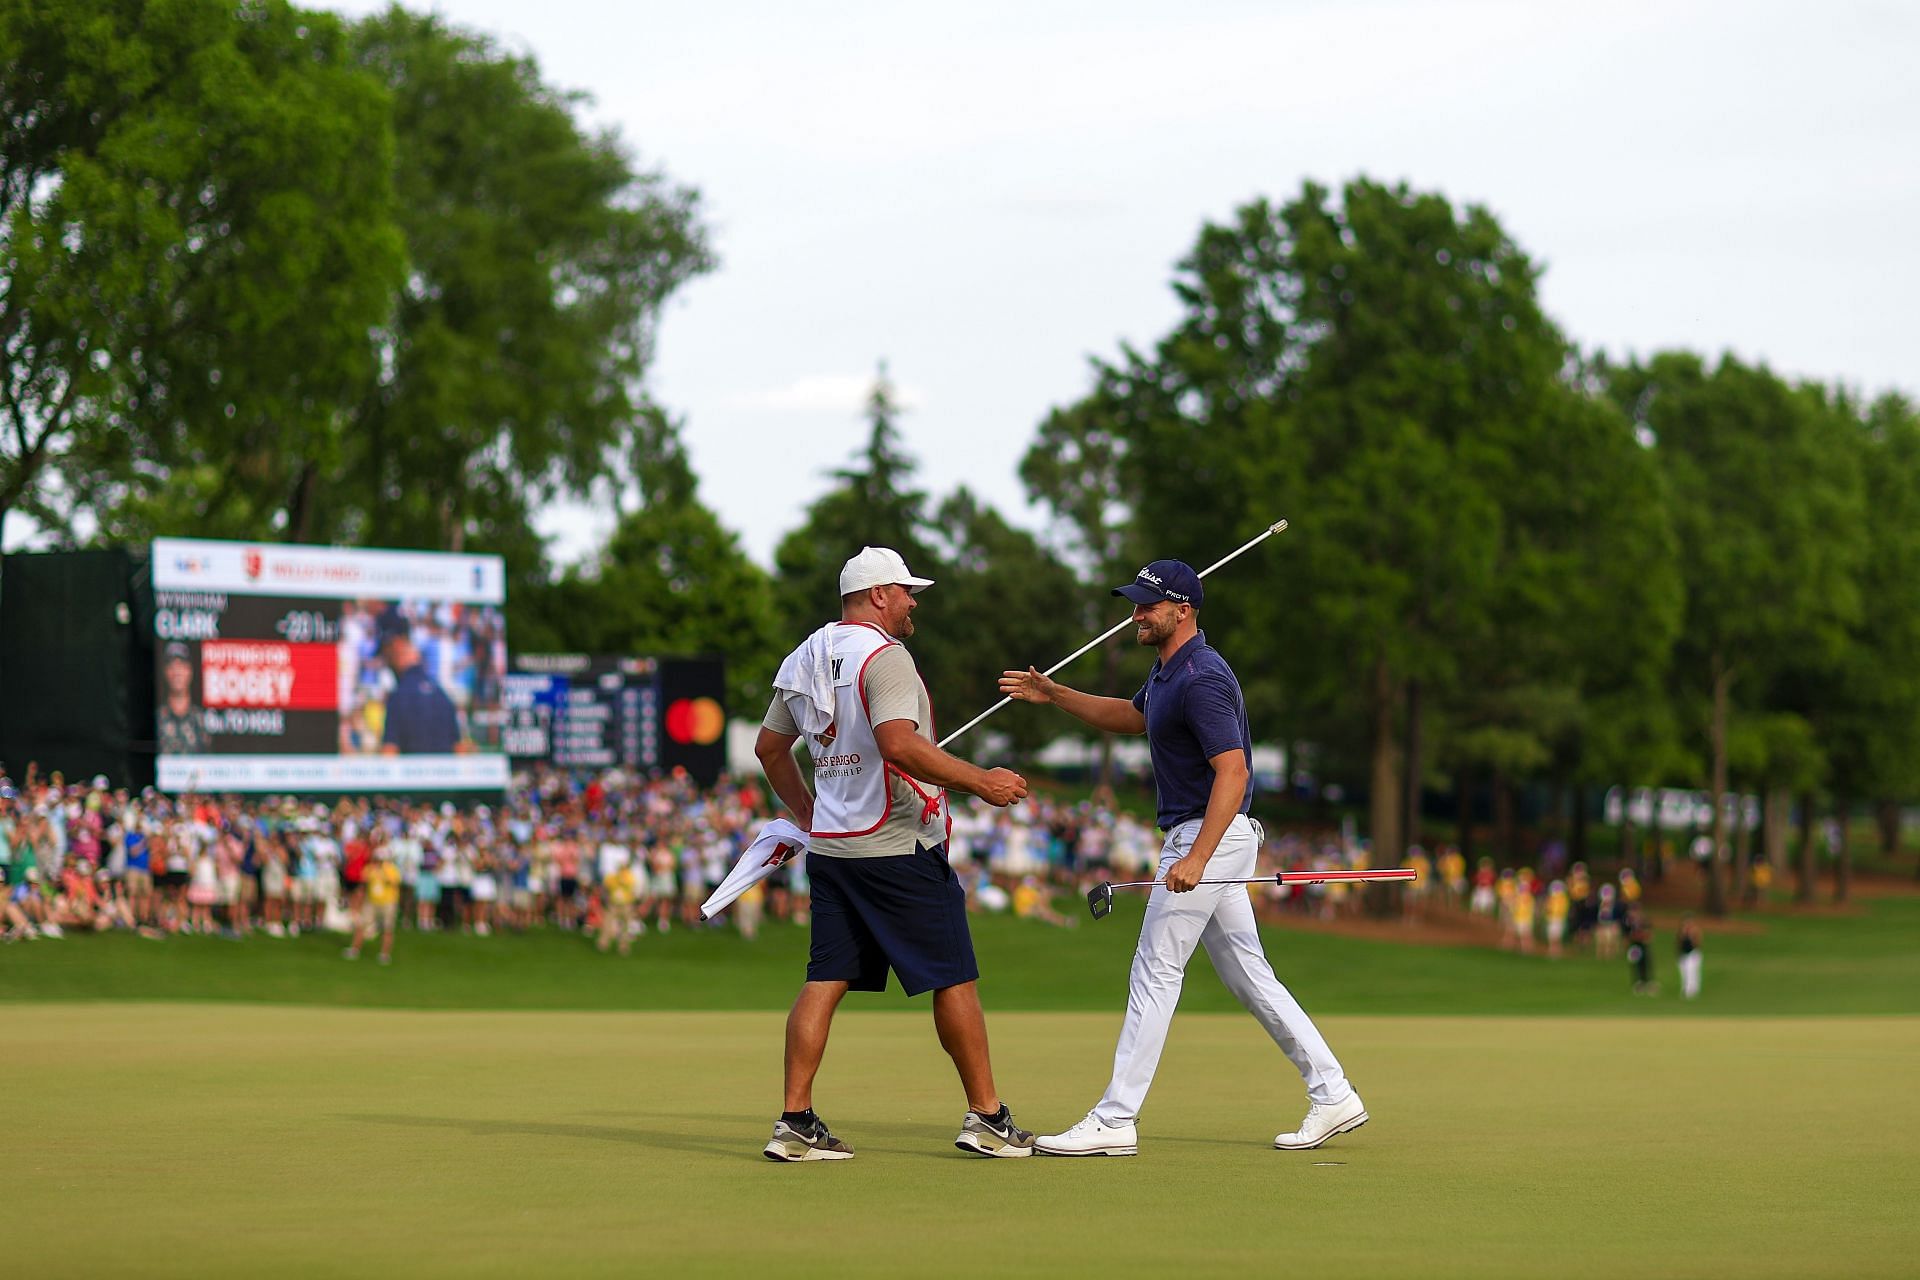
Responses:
[1148,577]
[1163,580]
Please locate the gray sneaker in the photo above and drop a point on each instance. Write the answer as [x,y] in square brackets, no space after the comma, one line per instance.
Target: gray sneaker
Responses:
[993,1136]
[802,1142]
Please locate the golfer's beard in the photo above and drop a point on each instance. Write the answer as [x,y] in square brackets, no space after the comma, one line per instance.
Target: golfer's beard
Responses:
[1153,634]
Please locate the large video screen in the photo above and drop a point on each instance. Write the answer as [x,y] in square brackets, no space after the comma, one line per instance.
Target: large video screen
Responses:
[297,669]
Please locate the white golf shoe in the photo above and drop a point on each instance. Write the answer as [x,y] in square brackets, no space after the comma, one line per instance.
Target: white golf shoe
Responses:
[1324,1122]
[1091,1138]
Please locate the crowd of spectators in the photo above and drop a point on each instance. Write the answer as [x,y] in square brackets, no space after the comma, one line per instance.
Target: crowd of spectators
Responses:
[1577,908]
[616,856]
[88,857]
[611,855]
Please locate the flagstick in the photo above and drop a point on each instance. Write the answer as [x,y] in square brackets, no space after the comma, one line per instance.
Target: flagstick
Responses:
[1117,628]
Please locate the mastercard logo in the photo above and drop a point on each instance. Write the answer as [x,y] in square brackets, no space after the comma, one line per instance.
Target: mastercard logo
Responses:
[695,721]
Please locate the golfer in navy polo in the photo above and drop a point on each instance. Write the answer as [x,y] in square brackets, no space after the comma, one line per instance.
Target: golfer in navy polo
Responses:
[1195,720]
[420,715]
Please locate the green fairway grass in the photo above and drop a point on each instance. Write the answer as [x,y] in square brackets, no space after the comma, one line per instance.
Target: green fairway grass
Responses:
[225,1139]
[1866,962]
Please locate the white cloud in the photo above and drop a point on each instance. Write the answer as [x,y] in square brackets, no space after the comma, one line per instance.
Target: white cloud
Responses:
[824,393]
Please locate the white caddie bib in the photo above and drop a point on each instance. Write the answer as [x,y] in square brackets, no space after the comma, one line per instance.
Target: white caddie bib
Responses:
[852,788]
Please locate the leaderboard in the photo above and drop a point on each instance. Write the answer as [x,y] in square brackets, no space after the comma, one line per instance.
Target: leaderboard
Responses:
[582,711]
[593,711]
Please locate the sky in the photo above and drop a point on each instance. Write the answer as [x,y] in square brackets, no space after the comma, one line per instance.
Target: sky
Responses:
[986,195]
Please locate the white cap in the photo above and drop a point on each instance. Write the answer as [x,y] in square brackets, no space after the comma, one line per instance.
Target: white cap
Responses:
[879,567]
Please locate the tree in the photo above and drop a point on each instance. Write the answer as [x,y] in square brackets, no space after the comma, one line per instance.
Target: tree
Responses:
[1206,445]
[1872,723]
[671,580]
[539,257]
[1767,495]
[196,221]
[1076,467]
[504,364]
[1586,608]
[1779,753]
[1431,381]
[986,573]
[1366,368]
[870,504]
[1005,601]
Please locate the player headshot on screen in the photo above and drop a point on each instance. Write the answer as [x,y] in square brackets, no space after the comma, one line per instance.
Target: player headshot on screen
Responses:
[183,725]
[420,718]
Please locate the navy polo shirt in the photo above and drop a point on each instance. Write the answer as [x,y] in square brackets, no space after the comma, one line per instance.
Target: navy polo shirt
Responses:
[1194,712]
[420,715]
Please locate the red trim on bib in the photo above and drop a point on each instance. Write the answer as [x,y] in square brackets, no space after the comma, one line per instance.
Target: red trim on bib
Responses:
[929,804]
[871,627]
[933,731]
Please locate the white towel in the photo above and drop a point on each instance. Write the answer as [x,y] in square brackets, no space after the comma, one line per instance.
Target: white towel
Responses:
[779,842]
[806,678]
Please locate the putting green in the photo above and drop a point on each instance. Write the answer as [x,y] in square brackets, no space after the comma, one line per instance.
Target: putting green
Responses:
[189,1139]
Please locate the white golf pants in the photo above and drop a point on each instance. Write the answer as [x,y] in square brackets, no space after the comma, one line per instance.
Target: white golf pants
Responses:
[1220,916]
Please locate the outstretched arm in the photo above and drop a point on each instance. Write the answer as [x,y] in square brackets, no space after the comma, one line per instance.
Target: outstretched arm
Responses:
[1109,715]
[902,747]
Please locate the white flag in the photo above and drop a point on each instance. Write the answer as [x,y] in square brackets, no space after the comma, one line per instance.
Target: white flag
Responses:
[778,843]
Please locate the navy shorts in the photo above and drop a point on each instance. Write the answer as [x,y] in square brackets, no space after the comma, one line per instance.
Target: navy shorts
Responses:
[906,913]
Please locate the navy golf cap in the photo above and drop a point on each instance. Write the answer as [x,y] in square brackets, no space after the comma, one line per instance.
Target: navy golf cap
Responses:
[1164,580]
[391,624]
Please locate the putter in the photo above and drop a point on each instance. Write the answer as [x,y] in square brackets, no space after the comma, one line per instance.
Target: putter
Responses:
[1100,897]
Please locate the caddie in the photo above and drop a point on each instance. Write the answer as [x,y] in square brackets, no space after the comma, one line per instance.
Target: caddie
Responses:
[1195,719]
[884,896]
